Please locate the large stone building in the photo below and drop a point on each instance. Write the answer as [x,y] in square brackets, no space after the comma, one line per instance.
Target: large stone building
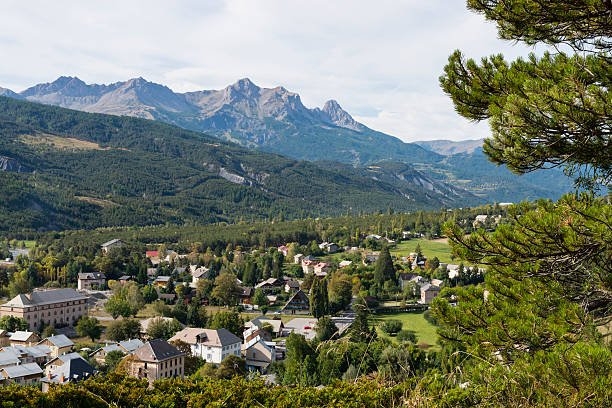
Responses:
[155,360]
[47,307]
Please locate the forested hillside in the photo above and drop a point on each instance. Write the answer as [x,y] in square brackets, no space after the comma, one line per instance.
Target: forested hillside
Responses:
[81,170]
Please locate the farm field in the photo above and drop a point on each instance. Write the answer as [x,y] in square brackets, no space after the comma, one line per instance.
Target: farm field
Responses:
[429,248]
[425,331]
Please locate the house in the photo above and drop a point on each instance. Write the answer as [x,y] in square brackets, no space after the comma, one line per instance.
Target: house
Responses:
[145,323]
[437,282]
[154,360]
[90,280]
[480,219]
[305,326]
[308,266]
[298,258]
[38,354]
[369,259]
[211,345]
[169,298]
[114,243]
[452,269]
[24,338]
[260,321]
[74,369]
[51,307]
[126,347]
[344,263]
[151,272]
[60,361]
[405,278]
[246,295]
[373,236]
[321,269]
[297,304]
[152,254]
[198,273]
[162,281]
[59,344]
[283,249]
[255,333]
[22,374]
[9,359]
[5,339]
[428,293]
[329,247]
[259,355]
[269,284]
[292,286]
[124,278]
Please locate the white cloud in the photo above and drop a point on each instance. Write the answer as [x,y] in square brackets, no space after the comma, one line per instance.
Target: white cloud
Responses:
[380,60]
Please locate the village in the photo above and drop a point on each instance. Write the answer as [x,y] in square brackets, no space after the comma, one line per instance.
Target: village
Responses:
[272,305]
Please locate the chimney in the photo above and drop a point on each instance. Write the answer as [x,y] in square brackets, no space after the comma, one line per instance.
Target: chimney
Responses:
[62,378]
[49,376]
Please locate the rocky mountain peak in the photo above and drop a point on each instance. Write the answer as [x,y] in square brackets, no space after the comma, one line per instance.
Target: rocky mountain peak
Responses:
[340,117]
[7,92]
[140,81]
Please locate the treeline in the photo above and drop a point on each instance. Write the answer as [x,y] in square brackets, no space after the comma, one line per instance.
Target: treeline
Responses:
[348,230]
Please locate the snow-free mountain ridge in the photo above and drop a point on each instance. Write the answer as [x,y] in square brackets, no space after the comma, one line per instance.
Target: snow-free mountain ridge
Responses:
[271,119]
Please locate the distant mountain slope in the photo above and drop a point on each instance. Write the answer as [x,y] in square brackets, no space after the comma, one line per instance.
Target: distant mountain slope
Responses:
[275,120]
[70,169]
[475,173]
[447,147]
[271,119]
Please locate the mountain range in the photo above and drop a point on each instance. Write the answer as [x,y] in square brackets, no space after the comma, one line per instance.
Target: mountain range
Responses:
[448,147]
[275,120]
[271,119]
[62,168]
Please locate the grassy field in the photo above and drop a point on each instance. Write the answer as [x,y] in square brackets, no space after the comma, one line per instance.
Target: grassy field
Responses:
[429,248]
[425,331]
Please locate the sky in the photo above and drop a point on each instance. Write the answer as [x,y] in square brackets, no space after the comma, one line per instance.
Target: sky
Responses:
[379,59]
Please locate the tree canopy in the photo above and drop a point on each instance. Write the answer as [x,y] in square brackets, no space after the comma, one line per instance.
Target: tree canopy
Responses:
[549,280]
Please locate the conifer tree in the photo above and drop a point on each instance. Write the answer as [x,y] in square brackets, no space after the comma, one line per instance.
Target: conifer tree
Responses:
[383,270]
[549,279]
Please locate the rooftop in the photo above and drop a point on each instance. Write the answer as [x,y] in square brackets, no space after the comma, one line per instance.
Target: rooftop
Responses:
[45,297]
[157,350]
[22,335]
[74,369]
[60,341]
[22,370]
[208,337]
[112,242]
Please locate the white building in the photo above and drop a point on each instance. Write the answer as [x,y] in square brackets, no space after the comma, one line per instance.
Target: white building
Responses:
[211,345]
[90,279]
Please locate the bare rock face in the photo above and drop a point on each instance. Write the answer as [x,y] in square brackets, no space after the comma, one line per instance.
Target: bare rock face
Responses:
[273,119]
[8,93]
[241,106]
[339,117]
[9,164]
